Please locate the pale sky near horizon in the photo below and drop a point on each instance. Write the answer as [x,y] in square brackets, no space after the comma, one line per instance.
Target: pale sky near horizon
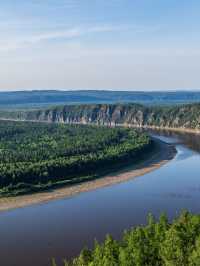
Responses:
[100,44]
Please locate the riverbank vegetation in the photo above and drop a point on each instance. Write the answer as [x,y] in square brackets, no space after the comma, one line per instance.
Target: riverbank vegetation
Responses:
[157,244]
[38,156]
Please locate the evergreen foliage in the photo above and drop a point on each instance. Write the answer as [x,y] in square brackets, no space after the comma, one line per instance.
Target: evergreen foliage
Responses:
[157,244]
[35,156]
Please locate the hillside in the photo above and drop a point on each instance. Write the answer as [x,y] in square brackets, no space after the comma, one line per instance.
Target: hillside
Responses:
[45,98]
[180,116]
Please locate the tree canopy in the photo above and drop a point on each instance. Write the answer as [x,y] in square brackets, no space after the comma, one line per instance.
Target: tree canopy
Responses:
[35,156]
[159,243]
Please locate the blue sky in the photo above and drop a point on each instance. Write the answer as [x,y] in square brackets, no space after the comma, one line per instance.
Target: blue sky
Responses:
[99,44]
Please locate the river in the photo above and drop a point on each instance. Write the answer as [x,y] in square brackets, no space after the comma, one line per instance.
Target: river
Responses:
[30,236]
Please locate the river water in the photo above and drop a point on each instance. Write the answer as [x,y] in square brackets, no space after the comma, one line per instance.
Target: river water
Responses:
[30,236]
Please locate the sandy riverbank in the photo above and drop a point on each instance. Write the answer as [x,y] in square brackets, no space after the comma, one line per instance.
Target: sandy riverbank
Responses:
[164,153]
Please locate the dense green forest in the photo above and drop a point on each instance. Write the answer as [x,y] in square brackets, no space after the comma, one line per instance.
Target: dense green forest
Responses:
[159,243]
[36,156]
[175,116]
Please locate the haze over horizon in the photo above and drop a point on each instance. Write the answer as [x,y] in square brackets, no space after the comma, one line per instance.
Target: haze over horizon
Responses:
[101,90]
[116,44]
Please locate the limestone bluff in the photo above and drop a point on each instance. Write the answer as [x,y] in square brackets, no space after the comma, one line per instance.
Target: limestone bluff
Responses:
[174,116]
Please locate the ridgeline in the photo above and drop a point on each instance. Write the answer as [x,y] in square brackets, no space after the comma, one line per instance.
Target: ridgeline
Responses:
[185,117]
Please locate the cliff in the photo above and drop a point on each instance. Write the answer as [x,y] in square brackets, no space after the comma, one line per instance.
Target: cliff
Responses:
[180,116]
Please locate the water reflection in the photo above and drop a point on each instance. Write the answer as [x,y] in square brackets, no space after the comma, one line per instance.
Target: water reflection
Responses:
[191,140]
[61,228]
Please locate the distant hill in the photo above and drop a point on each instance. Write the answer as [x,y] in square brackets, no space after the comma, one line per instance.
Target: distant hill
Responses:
[24,99]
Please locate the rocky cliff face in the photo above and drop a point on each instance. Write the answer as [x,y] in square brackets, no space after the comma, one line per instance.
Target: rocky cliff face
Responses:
[185,116]
[99,114]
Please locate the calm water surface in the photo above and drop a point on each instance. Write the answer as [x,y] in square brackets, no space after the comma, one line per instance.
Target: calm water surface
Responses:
[32,235]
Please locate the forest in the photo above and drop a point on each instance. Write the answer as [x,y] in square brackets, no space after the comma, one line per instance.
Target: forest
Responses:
[159,243]
[38,156]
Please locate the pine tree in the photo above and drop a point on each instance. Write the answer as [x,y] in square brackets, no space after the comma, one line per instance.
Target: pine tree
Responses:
[97,255]
[172,249]
[85,257]
[194,259]
[111,252]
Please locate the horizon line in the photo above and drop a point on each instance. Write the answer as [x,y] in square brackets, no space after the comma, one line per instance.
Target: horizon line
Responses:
[102,90]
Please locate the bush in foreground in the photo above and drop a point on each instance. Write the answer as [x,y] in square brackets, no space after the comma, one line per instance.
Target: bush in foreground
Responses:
[157,243]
